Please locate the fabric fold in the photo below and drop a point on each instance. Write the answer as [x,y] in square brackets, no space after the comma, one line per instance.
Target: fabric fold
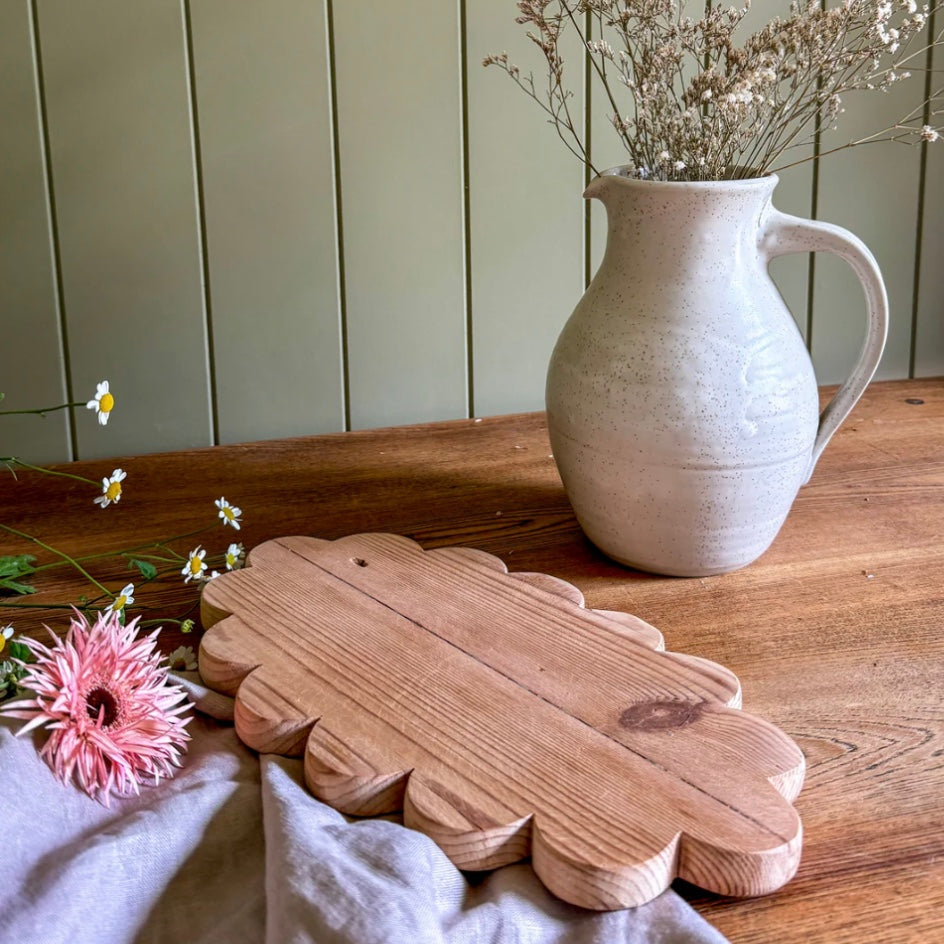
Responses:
[235,849]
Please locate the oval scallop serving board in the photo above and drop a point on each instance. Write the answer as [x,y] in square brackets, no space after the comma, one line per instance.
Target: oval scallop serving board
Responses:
[504,718]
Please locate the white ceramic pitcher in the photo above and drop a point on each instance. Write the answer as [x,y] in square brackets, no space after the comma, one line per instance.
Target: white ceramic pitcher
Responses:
[681,400]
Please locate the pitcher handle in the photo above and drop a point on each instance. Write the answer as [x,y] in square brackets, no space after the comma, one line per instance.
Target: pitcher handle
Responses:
[782,233]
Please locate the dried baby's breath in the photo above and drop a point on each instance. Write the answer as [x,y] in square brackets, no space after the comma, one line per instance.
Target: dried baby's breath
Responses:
[691,99]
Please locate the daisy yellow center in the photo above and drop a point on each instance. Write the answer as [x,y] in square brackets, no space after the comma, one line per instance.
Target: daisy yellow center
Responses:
[102,700]
[107,403]
[120,601]
[196,565]
[229,513]
[113,491]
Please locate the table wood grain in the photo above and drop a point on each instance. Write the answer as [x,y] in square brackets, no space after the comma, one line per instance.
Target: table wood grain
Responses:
[837,632]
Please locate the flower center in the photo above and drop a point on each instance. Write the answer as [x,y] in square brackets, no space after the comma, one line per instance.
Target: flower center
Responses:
[106,403]
[113,491]
[196,565]
[229,513]
[100,699]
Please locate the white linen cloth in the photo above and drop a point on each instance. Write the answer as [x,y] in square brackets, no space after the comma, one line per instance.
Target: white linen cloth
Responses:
[234,849]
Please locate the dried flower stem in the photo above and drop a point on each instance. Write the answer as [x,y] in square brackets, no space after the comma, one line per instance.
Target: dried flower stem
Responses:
[702,106]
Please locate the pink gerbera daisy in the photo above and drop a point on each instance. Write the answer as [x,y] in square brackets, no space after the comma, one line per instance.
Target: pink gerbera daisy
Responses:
[114,718]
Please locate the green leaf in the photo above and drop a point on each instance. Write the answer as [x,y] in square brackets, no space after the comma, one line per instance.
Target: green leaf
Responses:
[147,569]
[16,565]
[21,652]
[16,587]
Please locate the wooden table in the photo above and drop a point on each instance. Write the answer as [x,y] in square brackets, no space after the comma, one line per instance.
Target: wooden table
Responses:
[837,633]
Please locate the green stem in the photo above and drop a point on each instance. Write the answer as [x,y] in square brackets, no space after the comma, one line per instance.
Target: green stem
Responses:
[143,624]
[46,606]
[129,551]
[128,555]
[166,541]
[61,554]
[38,468]
[40,412]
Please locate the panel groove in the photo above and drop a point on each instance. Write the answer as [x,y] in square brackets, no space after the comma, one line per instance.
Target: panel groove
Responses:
[916,293]
[928,333]
[922,187]
[59,299]
[466,209]
[339,216]
[201,222]
[814,215]
[587,172]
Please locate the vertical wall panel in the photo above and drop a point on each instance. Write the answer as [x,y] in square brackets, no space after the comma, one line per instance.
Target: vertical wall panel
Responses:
[526,219]
[929,335]
[122,164]
[32,372]
[264,119]
[398,95]
[872,190]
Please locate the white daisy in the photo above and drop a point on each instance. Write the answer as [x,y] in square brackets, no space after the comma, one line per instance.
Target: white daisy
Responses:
[123,599]
[5,634]
[111,488]
[234,556]
[228,513]
[195,567]
[103,402]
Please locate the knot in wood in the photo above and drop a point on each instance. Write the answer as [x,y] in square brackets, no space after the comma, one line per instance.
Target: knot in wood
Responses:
[657,715]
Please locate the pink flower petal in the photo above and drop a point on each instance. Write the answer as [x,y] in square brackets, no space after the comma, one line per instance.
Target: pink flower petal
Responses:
[113,717]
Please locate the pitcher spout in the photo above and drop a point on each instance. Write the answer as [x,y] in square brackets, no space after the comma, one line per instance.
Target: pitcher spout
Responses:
[603,183]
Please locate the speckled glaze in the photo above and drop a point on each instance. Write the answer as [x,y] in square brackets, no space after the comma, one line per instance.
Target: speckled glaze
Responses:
[682,405]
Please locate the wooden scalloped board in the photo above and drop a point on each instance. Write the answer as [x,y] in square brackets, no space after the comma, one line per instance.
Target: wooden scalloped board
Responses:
[503,718]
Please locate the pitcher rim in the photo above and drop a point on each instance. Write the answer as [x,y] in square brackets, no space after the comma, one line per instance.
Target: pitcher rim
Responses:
[618,172]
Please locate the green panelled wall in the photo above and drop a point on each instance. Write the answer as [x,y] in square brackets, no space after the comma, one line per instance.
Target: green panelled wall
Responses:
[262,219]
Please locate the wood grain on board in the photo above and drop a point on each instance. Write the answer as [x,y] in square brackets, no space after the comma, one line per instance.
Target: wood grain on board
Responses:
[503,718]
